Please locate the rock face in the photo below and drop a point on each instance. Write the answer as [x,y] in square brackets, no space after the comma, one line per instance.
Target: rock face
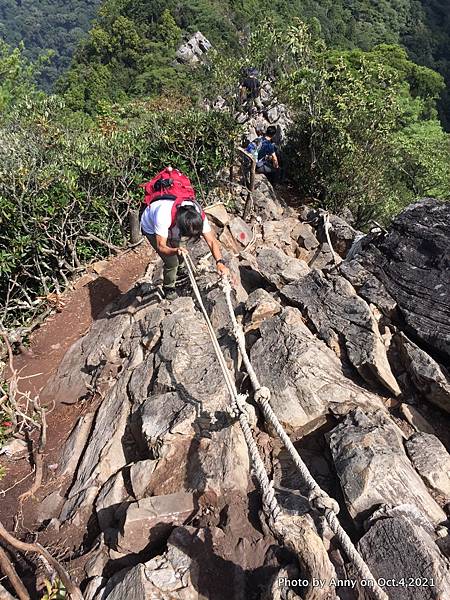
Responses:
[260,306]
[304,376]
[104,455]
[337,312]
[218,213]
[163,577]
[412,262]
[369,287]
[158,466]
[240,231]
[431,460]
[265,202]
[74,445]
[170,398]
[373,468]
[283,234]
[399,549]
[279,269]
[427,376]
[342,235]
[192,51]
[147,522]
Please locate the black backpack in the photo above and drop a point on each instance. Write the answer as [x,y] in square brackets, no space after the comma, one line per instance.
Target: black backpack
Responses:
[252,85]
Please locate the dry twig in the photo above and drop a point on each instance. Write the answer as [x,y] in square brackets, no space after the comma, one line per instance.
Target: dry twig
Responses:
[38,458]
[8,569]
[36,548]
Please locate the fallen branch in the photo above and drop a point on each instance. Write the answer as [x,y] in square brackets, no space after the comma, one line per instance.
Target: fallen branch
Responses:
[38,459]
[8,569]
[36,548]
[95,238]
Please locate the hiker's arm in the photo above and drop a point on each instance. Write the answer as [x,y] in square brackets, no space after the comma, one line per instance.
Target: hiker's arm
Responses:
[274,158]
[214,246]
[163,248]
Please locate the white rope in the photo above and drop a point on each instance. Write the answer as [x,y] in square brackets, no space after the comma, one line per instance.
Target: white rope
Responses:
[318,497]
[327,227]
[270,503]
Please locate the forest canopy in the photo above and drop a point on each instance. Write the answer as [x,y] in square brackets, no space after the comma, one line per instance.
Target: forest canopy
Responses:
[127,41]
[365,135]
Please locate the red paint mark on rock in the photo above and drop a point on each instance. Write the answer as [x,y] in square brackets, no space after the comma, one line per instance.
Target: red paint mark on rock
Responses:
[242,235]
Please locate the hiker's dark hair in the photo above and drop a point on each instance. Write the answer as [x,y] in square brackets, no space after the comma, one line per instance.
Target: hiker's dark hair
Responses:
[271,131]
[189,222]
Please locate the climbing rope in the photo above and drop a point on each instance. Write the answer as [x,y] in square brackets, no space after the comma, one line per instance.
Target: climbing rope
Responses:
[270,503]
[327,226]
[317,497]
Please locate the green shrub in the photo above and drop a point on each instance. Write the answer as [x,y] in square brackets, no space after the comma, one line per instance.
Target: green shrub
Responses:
[65,183]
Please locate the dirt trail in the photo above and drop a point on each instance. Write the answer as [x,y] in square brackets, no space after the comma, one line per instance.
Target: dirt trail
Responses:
[90,294]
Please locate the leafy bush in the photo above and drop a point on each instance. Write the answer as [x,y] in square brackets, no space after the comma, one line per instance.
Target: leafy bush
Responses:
[67,185]
[365,133]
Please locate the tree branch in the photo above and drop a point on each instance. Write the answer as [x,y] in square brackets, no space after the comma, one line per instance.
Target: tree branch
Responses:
[36,548]
[8,569]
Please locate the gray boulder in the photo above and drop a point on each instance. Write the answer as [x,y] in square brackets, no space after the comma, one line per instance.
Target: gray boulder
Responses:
[260,306]
[279,269]
[367,449]
[429,378]
[399,550]
[158,419]
[148,522]
[282,234]
[369,287]
[306,237]
[431,460]
[338,313]
[167,576]
[304,376]
[140,476]
[241,232]
[266,204]
[110,497]
[193,51]
[342,235]
[416,419]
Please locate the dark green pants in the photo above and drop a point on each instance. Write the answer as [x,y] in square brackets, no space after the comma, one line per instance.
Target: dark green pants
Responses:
[171,263]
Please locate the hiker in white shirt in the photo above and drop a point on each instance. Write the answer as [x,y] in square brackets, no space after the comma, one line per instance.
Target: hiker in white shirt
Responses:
[168,238]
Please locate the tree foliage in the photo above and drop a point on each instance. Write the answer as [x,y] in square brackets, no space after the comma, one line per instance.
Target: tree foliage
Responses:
[67,183]
[366,134]
[47,25]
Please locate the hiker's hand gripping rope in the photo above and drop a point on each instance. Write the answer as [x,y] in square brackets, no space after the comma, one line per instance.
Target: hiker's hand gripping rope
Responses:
[222,269]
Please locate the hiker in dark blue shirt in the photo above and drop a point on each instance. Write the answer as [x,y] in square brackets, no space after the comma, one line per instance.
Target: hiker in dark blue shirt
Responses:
[267,153]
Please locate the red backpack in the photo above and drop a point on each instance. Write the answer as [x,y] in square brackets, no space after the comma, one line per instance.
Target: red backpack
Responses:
[172,185]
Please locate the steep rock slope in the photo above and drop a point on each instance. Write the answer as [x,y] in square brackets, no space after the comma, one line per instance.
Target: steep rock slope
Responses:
[156,474]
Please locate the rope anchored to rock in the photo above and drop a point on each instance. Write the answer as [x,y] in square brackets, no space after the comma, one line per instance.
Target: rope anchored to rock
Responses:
[270,503]
[318,498]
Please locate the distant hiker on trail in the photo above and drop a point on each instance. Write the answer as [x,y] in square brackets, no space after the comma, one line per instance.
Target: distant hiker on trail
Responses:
[264,152]
[250,89]
[173,217]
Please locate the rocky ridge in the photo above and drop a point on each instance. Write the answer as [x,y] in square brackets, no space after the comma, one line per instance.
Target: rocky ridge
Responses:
[156,473]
